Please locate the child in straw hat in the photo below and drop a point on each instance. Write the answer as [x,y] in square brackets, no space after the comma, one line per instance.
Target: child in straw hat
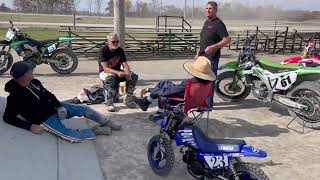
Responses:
[201,71]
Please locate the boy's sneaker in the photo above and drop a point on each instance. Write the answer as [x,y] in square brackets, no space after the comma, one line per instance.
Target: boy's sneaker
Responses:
[142,103]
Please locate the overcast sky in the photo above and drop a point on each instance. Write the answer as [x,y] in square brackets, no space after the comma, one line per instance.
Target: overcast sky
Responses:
[312,5]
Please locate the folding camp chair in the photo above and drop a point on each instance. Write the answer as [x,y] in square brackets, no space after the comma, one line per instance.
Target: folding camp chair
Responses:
[195,99]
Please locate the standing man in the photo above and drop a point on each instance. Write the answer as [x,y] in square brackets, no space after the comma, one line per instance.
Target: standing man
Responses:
[213,37]
[113,68]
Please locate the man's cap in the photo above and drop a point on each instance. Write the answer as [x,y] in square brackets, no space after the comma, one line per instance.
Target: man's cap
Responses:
[19,68]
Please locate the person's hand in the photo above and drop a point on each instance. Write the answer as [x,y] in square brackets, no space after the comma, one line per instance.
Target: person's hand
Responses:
[36,129]
[196,56]
[62,113]
[210,50]
[128,75]
[121,74]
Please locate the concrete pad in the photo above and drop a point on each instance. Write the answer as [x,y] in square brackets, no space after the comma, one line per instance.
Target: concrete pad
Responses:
[78,161]
[37,157]
[25,155]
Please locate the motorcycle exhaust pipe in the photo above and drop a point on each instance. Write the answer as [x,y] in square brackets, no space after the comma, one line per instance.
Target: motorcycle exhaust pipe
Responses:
[290,103]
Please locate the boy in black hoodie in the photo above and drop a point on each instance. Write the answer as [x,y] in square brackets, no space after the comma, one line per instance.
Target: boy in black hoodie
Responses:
[32,107]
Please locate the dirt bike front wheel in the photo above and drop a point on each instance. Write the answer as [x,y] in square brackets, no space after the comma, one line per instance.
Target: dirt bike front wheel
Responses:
[66,63]
[6,61]
[228,90]
[160,155]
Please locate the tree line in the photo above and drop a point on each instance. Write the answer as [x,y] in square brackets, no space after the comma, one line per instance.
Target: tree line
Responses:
[152,8]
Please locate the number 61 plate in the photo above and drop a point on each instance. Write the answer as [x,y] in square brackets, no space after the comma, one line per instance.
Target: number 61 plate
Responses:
[217,161]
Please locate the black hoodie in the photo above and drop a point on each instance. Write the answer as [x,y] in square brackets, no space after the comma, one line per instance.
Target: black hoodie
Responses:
[29,105]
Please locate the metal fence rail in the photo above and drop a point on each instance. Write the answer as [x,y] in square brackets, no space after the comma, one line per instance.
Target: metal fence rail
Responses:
[139,41]
[274,41]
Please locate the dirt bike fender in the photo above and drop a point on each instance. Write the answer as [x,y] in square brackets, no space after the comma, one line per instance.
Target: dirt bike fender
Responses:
[230,66]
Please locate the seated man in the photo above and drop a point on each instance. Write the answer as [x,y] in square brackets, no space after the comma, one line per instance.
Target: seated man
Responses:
[111,57]
[201,71]
[32,107]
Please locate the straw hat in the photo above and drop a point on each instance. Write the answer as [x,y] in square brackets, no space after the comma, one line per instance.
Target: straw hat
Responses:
[200,68]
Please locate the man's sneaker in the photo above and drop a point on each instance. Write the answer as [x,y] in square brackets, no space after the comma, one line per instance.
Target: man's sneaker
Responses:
[129,102]
[110,106]
[142,103]
[113,125]
[101,130]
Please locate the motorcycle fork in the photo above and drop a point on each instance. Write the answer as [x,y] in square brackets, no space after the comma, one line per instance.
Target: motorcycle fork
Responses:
[234,81]
[265,80]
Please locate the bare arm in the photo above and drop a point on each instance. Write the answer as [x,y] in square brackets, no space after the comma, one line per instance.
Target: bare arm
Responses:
[106,69]
[225,41]
[213,48]
[126,68]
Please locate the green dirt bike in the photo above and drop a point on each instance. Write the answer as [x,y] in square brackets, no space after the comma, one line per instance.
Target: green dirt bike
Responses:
[53,52]
[295,87]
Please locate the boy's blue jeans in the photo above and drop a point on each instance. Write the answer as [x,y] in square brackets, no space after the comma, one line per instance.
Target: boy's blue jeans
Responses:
[55,125]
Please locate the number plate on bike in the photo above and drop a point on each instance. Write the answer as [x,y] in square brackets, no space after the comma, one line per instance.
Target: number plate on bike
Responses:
[217,161]
[10,35]
[52,48]
[283,81]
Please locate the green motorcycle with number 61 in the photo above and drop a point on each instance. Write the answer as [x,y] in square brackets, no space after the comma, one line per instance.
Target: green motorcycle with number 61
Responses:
[295,87]
[54,52]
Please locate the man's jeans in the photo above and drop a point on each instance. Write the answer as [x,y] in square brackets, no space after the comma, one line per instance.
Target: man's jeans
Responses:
[54,125]
[214,66]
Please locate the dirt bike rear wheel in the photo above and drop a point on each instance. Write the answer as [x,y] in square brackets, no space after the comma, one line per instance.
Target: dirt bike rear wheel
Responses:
[308,94]
[249,171]
[68,61]
[6,61]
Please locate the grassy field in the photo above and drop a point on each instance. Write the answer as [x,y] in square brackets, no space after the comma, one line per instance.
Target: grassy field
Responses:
[19,17]
[37,33]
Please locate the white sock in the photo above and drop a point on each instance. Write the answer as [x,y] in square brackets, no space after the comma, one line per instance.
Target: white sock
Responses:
[149,99]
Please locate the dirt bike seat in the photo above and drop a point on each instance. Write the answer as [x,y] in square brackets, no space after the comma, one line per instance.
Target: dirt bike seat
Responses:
[278,68]
[44,42]
[41,43]
[207,144]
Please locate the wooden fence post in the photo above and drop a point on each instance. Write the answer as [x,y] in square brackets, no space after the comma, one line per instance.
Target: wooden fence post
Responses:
[293,41]
[238,38]
[119,21]
[74,21]
[247,36]
[69,36]
[256,40]
[169,42]
[275,42]
[285,39]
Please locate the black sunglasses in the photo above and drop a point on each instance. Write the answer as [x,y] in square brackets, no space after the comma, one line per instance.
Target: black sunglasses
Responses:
[114,42]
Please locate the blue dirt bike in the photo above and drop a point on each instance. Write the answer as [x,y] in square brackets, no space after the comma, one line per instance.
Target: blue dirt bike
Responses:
[206,158]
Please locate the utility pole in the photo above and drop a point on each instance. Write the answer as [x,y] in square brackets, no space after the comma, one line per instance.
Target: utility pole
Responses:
[192,9]
[160,7]
[185,9]
[119,21]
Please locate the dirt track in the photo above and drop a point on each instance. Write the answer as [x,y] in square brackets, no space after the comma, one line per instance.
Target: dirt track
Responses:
[123,155]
